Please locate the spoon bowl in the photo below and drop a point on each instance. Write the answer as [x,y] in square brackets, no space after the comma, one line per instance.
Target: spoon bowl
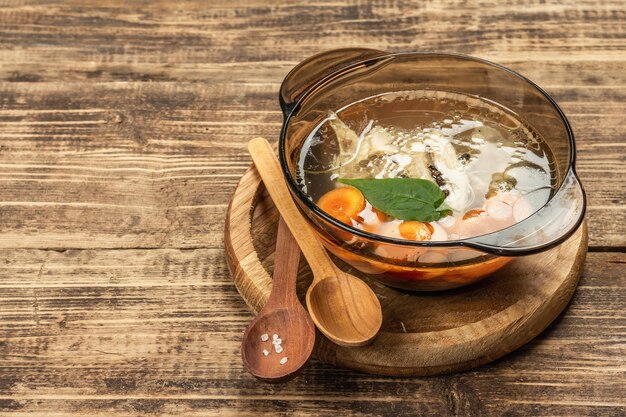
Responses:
[282,317]
[344,309]
[297,332]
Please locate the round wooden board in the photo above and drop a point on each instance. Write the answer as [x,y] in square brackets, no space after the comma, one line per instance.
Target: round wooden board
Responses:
[422,333]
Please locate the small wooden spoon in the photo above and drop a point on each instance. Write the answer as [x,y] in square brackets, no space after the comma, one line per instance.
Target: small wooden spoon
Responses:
[282,315]
[342,306]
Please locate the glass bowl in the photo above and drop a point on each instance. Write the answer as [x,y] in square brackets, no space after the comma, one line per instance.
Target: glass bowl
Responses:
[335,79]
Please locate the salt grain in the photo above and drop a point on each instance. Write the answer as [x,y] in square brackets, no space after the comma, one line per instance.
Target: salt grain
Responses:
[283,360]
[276,341]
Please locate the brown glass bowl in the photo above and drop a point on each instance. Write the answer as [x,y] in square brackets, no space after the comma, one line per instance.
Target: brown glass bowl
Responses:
[335,79]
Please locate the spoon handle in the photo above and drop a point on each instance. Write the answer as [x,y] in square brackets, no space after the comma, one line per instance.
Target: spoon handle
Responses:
[269,169]
[286,261]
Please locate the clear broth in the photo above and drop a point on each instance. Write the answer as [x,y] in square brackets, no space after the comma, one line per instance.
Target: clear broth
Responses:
[494,168]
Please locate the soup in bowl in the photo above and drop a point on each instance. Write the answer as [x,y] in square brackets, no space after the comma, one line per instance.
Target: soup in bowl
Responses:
[428,171]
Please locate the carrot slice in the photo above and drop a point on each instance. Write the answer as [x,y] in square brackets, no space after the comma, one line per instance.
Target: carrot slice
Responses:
[413,230]
[473,213]
[346,200]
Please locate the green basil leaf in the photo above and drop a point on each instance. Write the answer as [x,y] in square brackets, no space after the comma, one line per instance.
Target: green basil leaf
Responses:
[403,198]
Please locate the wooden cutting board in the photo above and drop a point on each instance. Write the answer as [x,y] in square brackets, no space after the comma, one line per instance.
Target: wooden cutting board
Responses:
[422,333]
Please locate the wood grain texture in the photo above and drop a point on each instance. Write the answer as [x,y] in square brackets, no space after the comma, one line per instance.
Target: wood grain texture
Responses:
[123,131]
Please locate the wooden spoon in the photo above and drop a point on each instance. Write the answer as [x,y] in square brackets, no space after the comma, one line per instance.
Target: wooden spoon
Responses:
[342,306]
[282,315]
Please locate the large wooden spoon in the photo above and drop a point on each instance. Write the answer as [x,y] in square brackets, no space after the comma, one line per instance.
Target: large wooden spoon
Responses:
[342,306]
[282,315]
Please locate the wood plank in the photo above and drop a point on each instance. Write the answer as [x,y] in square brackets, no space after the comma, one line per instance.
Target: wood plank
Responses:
[161,33]
[110,330]
[220,100]
[159,170]
[123,127]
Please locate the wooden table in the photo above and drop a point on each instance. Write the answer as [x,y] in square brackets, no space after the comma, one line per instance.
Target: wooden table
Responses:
[122,137]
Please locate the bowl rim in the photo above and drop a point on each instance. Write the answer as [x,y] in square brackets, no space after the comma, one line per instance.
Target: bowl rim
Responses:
[467,242]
